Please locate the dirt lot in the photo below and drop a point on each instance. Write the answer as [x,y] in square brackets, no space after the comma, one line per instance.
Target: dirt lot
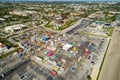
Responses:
[111,65]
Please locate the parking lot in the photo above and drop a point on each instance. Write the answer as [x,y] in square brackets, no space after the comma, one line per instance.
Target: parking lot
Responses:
[83,24]
[30,71]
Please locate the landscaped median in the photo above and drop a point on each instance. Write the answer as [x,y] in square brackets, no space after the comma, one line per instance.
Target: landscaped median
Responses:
[9,53]
[83,32]
[109,30]
[103,60]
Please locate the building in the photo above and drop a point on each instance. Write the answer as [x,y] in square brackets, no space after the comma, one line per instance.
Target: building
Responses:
[2,20]
[15,28]
[3,48]
[117,18]
[114,12]
[23,13]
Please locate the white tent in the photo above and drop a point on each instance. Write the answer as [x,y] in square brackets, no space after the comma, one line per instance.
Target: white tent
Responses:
[67,46]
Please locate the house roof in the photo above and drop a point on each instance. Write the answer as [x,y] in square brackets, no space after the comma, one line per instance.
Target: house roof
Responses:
[2,45]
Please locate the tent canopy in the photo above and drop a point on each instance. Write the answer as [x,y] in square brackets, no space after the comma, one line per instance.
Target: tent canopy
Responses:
[67,46]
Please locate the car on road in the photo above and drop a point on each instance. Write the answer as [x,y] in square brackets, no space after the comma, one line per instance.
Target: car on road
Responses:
[89,57]
[49,78]
[45,74]
[61,78]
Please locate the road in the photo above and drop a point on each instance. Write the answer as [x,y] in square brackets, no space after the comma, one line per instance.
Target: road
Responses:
[82,23]
[111,65]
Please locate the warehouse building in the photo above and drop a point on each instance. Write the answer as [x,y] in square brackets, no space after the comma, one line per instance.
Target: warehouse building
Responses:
[15,28]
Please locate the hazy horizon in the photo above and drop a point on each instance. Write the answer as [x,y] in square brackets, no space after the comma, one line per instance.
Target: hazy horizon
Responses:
[63,0]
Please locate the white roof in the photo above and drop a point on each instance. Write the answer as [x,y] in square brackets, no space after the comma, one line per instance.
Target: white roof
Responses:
[2,19]
[30,12]
[15,26]
[67,46]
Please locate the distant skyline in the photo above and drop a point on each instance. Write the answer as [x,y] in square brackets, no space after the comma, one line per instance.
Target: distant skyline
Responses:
[61,0]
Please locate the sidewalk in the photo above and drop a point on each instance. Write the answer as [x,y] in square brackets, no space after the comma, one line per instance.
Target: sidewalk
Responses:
[96,67]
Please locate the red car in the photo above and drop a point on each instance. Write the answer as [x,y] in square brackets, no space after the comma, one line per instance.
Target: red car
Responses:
[54,73]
